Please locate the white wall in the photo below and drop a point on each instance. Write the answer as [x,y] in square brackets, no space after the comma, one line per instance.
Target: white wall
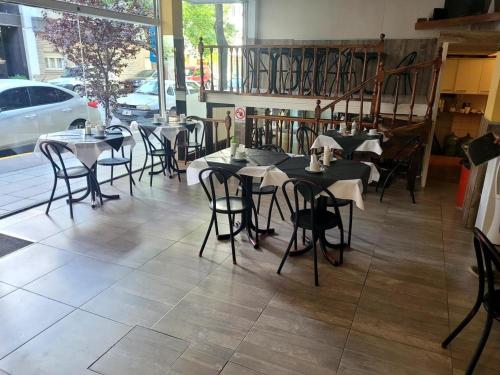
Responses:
[342,19]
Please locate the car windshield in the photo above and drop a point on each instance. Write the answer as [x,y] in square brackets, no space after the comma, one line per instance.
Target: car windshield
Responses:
[148,88]
[144,74]
[71,72]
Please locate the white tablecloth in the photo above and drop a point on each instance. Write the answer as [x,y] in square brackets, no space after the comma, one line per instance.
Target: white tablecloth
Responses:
[271,175]
[168,131]
[85,147]
[370,145]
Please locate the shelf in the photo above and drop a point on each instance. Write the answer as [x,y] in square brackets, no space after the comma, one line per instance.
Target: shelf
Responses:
[457,21]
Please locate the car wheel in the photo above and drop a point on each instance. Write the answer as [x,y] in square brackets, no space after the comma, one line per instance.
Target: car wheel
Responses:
[77,124]
[79,89]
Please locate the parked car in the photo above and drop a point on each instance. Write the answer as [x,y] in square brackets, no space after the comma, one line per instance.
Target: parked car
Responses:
[71,79]
[193,73]
[29,109]
[132,84]
[143,102]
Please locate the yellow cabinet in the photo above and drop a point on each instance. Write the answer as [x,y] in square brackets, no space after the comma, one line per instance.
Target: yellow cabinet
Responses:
[486,76]
[468,76]
[449,74]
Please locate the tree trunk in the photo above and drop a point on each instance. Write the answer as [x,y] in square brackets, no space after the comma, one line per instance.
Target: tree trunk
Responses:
[221,41]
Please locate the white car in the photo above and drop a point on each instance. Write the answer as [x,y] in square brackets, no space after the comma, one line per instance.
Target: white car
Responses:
[29,109]
[143,102]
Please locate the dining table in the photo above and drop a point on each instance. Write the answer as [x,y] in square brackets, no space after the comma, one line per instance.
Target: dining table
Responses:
[87,148]
[359,142]
[345,179]
[167,131]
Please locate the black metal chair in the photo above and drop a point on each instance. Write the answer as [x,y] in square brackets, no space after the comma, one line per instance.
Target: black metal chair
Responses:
[488,258]
[316,219]
[52,151]
[407,163]
[266,190]
[194,141]
[155,147]
[405,76]
[305,138]
[225,204]
[115,161]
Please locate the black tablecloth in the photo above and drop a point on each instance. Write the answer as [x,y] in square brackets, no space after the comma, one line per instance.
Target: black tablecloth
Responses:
[350,143]
[254,157]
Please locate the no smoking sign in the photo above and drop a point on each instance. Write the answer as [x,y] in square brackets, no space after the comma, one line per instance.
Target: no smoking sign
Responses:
[240,114]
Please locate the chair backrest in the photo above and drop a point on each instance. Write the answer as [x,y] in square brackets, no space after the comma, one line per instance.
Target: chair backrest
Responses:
[305,138]
[216,176]
[199,131]
[415,161]
[408,59]
[52,150]
[125,131]
[151,141]
[271,147]
[488,258]
[309,191]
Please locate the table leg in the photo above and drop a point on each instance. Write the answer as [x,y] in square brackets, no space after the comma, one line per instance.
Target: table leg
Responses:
[94,189]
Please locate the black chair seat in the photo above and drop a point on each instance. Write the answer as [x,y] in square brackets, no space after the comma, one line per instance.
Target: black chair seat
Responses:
[159,152]
[495,311]
[74,172]
[256,189]
[338,202]
[113,161]
[236,205]
[327,220]
[190,144]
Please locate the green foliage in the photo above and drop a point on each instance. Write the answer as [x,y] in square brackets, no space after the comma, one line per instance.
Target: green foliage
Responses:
[199,20]
[18,76]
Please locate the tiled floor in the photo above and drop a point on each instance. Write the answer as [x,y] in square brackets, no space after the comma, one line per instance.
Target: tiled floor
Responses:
[121,290]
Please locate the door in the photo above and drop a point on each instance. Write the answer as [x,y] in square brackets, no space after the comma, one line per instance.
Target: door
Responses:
[486,76]
[449,75]
[55,108]
[468,76]
[18,124]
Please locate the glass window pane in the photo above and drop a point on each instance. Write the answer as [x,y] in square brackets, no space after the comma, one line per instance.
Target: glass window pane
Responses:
[14,99]
[47,95]
[136,7]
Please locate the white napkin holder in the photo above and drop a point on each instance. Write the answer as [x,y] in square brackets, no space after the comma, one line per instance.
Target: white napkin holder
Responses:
[314,164]
[327,156]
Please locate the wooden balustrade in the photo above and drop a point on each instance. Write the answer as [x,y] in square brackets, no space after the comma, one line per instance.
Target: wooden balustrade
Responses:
[281,130]
[214,141]
[325,71]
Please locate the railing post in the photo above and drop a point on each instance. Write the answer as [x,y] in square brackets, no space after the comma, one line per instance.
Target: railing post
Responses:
[201,49]
[267,138]
[317,115]
[378,94]
[228,123]
[435,76]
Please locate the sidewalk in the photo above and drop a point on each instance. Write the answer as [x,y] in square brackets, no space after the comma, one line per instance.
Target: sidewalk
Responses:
[27,179]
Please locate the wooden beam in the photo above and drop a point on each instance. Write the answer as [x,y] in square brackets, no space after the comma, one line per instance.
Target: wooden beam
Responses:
[457,21]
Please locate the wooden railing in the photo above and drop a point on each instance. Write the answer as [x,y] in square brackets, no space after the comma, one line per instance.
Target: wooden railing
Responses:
[281,130]
[320,71]
[214,140]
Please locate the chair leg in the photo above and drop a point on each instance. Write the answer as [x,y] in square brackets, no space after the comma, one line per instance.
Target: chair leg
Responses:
[144,166]
[208,233]
[256,226]
[131,179]
[270,212]
[70,198]
[151,171]
[315,258]
[177,166]
[464,322]
[163,165]
[258,202]
[480,346]
[350,224]
[412,193]
[51,196]
[216,224]
[111,182]
[292,240]
[278,205]
[231,235]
